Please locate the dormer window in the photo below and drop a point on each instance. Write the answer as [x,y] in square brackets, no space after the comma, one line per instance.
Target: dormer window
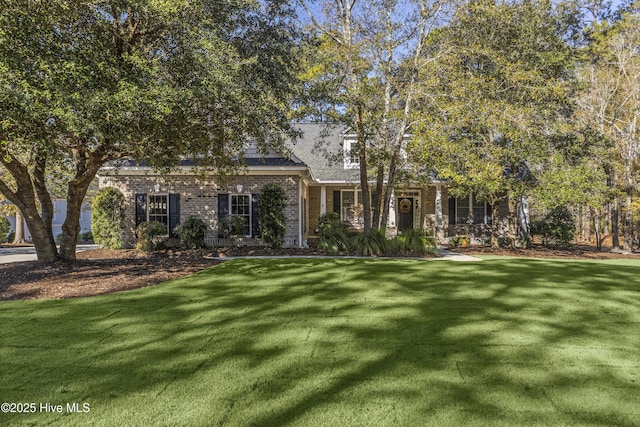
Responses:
[351,153]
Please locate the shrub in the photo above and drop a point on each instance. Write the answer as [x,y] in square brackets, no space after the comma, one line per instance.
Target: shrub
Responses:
[192,232]
[232,226]
[272,220]
[371,243]
[417,242]
[334,235]
[5,228]
[557,226]
[329,219]
[11,236]
[151,236]
[107,218]
[87,236]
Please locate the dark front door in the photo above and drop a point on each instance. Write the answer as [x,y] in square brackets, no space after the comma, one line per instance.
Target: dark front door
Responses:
[405,213]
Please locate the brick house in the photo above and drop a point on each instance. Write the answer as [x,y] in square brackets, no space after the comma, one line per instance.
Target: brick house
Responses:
[320,176]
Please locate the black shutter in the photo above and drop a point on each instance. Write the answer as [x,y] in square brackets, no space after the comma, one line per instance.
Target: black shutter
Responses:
[336,201]
[141,208]
[174,212]
[452,210]
[255,216]
[223,205]
[488,210]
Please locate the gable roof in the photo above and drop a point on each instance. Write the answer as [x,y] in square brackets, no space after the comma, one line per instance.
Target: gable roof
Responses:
[320,148]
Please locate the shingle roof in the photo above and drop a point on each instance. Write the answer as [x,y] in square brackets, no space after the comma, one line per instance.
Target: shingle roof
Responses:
[320,148]
[251,161]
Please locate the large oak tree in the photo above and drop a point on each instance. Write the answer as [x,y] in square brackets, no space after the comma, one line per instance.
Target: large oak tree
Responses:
[490,105]
[85,82]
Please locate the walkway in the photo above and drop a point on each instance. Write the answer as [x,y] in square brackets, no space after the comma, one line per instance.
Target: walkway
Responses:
[28,253]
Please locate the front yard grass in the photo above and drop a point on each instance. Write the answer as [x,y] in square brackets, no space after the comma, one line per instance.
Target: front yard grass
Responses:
[328,342]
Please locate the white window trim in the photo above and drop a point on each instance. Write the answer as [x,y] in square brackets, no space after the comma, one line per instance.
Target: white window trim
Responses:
[348,144]
[149,196]
[356,201]
[485,215]
[250,217]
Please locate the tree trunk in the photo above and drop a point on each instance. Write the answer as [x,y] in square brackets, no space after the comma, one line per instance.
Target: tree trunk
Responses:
[28,185]
[512,220]
[628,221]
[86,169]
[377,199]
[523,213]
[615,231]
[70,229]
[495,223]
[393,165]
[364,178]
[18,237]
[596,228]
[41,235]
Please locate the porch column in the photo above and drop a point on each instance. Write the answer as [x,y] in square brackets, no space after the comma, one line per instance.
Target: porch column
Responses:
[439,225]
[391,222]
[323,199]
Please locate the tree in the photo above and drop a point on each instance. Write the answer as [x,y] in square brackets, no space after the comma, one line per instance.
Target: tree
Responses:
[493,101]
[365,71]
[85,82]
[8,208]
[107,218]
[273,221]
[5,227]
[610,104]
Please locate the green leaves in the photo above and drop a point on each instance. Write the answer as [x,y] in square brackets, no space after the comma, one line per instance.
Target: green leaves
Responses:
[86,82]
[492,98]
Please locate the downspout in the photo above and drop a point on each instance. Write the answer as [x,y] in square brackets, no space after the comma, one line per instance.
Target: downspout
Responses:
[300,213]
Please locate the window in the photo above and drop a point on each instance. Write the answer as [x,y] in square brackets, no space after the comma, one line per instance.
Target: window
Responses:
[159,209]
[239,212]
[462,210]
[469,210]
[164,208]
[241,208]
[351,154]
[351,208]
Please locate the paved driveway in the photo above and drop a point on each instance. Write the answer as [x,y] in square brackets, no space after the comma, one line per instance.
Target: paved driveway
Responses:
[29,253]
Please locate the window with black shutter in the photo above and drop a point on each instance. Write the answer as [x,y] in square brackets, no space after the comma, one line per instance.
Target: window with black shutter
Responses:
[162,208]
[141,208]
[174,213]
[223,205]
[255,215]
[336,201]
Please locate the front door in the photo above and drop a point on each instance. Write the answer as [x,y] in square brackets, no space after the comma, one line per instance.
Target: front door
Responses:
[405,213]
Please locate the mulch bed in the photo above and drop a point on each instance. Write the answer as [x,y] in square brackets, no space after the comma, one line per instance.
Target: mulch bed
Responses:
[539,251]
[102,271]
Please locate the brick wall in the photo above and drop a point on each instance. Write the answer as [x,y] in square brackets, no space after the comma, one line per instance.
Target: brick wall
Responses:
[199,196]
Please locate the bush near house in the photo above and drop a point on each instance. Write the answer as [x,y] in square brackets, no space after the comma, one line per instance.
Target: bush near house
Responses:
[272,220]
[337,237]
[232,226]
[557,228]
[151,236]
[334,235]
[413,242]
[5,228]
[107,218]
[192,232]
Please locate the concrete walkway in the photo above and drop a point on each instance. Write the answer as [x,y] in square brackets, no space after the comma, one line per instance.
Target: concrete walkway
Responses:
[454,256]
[28,253]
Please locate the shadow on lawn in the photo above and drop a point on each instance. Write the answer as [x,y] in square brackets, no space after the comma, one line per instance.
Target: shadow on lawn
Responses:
[272,342]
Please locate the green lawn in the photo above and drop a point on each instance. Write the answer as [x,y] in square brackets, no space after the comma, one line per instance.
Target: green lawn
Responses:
[332,342]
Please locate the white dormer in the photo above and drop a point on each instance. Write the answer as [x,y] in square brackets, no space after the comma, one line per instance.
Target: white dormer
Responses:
[350,150]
